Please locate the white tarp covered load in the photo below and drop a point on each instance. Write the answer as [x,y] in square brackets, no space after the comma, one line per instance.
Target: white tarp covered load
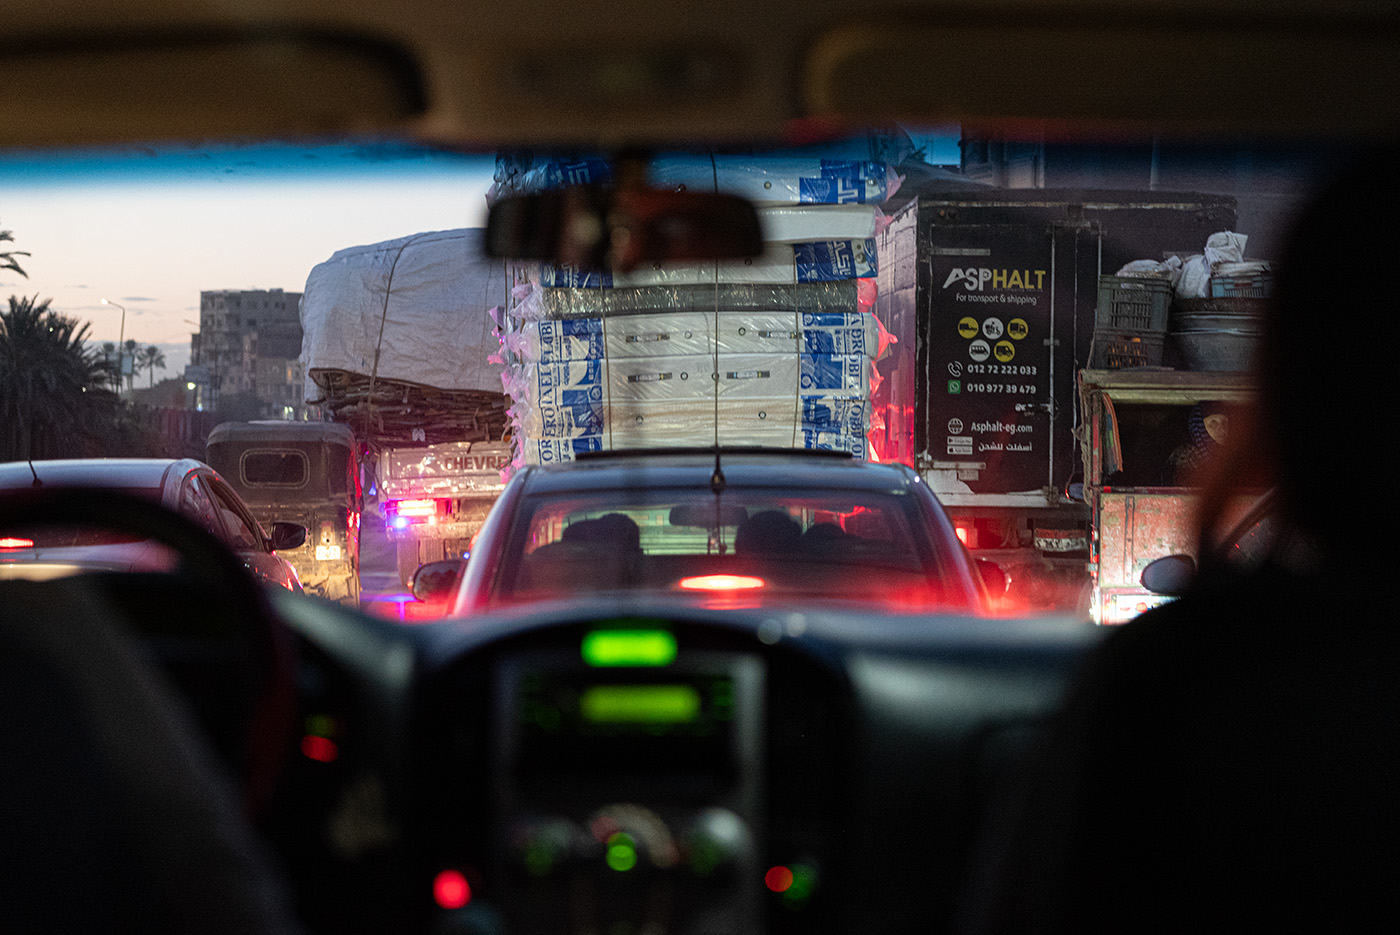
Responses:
[411,311]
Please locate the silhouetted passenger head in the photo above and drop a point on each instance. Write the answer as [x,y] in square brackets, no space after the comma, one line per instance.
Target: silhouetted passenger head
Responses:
[610,528]
[767,532]
[1326,365]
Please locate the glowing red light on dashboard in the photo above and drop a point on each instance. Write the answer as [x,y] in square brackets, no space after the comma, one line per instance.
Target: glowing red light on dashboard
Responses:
[778,879]
[14,542]
[320,749]
[721,583]
[451,889]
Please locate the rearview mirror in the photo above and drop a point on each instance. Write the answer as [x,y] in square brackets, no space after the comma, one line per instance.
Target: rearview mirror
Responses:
[596,227]
[1170,575]
[434,582]
[996,580]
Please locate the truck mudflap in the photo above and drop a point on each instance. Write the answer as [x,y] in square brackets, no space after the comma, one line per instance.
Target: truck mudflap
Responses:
[334,581]
[1136,527]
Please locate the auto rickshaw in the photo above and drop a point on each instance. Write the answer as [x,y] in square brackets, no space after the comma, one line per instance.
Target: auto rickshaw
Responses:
[303,472]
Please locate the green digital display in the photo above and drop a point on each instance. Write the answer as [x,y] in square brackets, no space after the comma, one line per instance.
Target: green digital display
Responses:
[644,648]
[640,704]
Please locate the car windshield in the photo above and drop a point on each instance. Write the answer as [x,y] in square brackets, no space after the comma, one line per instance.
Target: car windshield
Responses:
[911,304]
[824,545]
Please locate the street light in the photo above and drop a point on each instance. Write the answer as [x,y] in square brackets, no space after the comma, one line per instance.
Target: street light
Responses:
[121,341]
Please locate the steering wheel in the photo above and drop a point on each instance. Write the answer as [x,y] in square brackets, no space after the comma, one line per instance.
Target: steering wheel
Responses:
[208,624]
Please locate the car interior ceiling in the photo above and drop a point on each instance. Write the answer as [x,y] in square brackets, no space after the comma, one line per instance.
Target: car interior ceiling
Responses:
[906,734]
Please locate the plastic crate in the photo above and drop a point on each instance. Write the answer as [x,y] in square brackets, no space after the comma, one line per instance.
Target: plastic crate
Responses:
[1122,350]
[1133,303]
[1254,286]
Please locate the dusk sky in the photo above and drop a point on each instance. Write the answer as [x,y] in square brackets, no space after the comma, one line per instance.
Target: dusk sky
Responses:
[150,230]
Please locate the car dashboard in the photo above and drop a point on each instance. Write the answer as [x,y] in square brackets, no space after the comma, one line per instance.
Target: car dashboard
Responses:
[626,765]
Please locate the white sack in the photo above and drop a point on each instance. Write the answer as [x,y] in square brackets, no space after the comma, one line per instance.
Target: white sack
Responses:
[430,292]
[1194,282]
[1225,247]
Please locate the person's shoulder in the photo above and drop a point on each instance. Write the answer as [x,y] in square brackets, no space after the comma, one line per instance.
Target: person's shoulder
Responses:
[1227,605]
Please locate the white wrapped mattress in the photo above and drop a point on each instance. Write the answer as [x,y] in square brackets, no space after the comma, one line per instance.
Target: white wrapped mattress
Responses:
[690,376]
[763,179]
[690,333]
[554,450]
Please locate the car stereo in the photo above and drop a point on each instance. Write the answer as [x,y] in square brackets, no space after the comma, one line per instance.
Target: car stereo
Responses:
[634,781]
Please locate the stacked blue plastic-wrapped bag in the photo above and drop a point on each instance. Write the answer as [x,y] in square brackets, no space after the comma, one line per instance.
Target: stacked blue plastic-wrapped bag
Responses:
[778,350]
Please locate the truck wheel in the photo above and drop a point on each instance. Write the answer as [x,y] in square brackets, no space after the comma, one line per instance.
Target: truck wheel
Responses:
[430,550]
[408,559]
[352,589]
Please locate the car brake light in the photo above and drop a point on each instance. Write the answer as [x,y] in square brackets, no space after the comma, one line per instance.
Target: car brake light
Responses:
[721,583]
[451,889]
[416,507]
[14,542]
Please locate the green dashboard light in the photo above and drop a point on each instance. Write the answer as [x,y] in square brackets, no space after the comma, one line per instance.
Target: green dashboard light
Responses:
[621,854]
[655,705]
[607,648]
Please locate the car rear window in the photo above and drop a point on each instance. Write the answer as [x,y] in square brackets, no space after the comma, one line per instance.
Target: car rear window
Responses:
[279,468]
[56,536]
[63,537]
[823,545]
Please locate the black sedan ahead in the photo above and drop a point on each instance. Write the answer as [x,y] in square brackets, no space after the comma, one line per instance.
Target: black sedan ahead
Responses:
[184,485]
[745,528]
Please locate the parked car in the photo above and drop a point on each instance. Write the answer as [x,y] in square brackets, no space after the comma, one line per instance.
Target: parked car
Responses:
[303,472]
[187,486]
[744,527]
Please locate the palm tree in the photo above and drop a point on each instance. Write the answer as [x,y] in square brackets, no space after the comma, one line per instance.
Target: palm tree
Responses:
[54,400]
[7,257]
[149,359]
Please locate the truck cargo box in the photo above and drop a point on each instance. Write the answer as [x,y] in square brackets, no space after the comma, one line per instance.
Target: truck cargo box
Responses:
[992,295]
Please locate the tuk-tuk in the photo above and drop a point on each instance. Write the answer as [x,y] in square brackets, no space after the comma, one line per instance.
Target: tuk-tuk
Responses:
[302,472]
[1138,436]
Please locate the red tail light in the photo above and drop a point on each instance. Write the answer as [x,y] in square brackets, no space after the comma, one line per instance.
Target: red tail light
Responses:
[14,542]
[415,507]
[721,583]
